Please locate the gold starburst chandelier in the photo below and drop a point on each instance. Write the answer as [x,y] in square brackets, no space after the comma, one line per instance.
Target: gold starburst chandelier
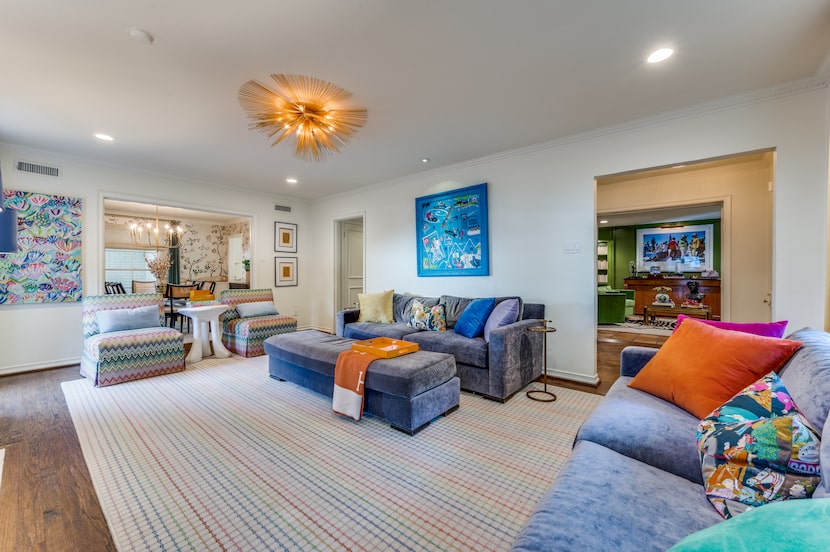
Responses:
[304,111]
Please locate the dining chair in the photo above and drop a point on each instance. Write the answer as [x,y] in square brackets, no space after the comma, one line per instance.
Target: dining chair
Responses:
[144,287]
[206,284]
[114,288]
[177,296]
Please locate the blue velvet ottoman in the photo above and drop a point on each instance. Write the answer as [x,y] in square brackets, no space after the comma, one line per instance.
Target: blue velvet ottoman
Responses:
[408,391]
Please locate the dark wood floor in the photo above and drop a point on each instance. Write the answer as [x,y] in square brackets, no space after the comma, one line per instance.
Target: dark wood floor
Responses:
[47,501]
[609,346]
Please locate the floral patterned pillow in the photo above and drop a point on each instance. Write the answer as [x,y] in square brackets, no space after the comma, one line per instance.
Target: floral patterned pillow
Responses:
[757,448]
[433,319]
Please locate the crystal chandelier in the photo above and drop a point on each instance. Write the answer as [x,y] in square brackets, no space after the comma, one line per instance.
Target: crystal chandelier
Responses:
[304,111]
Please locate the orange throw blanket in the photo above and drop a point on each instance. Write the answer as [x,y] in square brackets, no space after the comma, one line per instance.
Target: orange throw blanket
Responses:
[349,377]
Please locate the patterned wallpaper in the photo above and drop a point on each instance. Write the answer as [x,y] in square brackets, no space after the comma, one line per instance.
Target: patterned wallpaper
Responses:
[204,250]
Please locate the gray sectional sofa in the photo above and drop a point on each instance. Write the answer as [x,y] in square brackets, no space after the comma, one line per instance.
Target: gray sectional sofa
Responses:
[633,480]
[498,369]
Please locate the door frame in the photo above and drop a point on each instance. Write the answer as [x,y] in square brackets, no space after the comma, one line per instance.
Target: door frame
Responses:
[337,229]
[725,203]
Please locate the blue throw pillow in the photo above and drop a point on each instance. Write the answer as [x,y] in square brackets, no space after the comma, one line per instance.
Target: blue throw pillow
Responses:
[116,320]
[472,320]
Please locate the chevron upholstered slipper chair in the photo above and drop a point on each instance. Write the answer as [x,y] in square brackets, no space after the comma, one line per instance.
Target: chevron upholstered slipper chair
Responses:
[125,339]
[245,330]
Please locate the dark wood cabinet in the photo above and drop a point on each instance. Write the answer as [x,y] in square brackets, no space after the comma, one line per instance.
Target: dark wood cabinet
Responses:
[644,291]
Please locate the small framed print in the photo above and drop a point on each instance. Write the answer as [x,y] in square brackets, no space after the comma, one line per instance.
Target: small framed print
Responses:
[285,237]
[285,269]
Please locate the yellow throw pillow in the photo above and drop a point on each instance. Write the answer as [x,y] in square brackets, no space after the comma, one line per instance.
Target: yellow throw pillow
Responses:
[376,307]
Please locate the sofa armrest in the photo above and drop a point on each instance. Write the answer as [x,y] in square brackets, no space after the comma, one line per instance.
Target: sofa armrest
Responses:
[515,357]
[346,316]
[632,359]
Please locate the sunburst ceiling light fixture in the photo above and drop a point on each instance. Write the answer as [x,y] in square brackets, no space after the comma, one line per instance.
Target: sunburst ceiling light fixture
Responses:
[305,111]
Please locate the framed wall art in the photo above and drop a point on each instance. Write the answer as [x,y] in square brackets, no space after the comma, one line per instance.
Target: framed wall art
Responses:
[451,229]
[285,270]
[675,249]
[285,237]
[47,265]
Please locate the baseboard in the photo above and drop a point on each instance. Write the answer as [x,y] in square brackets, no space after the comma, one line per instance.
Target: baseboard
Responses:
[37,366]
[572,376]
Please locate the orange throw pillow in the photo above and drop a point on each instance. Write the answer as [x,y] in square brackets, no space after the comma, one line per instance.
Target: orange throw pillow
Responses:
[700,367]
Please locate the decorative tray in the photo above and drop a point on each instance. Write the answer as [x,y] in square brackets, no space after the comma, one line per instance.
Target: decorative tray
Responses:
[385,347]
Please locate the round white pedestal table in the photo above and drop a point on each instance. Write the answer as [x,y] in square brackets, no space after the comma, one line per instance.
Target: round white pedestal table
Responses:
[202,338]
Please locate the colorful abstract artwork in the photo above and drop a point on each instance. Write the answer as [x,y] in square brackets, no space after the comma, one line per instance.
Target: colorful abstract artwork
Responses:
[451,228]
[676,249]
[47,265]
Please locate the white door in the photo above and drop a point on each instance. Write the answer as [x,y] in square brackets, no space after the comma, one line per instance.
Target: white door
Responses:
[351,261]
[236,272]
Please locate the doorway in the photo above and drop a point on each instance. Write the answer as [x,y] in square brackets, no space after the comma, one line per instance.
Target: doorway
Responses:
[205,243]
[742,185]
[236,270]
[349,261]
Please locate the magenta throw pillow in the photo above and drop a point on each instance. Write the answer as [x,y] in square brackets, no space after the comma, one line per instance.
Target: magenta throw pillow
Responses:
[765,329]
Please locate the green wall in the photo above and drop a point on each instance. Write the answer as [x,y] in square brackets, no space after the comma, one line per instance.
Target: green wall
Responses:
[625,246]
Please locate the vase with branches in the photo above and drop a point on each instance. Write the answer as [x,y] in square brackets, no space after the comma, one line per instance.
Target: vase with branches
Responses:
[159,267]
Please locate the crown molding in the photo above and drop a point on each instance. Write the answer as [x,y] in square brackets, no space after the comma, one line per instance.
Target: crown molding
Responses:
[817,82]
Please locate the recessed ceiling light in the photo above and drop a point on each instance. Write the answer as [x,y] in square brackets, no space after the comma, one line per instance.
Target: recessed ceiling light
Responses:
[424,160]
[660,55]
[603,222]
[104,137]
[291,180]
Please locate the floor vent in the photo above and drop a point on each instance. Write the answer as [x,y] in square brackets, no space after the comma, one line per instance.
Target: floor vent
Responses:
[285,208]
[36,168]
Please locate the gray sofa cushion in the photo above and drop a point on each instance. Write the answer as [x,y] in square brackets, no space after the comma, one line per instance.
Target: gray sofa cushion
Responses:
[402,306]
[602,500]
[466,350]
[807,375]
[368,330]
[453,307]
[645,428]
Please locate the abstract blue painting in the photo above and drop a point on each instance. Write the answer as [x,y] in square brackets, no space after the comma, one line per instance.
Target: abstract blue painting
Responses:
[451,229]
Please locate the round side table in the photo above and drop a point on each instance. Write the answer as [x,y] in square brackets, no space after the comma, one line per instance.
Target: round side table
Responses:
[543,395]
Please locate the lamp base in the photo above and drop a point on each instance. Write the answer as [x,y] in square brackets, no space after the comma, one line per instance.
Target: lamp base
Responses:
[540,395]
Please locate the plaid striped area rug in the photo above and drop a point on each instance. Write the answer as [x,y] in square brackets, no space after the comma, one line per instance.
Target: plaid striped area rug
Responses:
[221,457]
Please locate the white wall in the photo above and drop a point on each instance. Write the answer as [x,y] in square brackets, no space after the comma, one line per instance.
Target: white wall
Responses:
[544,196]
[539,198]
[46,335]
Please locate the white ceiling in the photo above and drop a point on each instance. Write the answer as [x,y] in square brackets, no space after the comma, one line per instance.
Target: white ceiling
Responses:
[451,80]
